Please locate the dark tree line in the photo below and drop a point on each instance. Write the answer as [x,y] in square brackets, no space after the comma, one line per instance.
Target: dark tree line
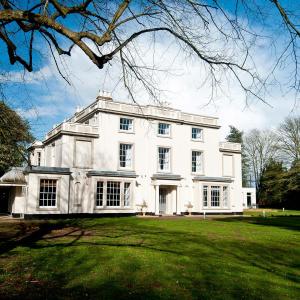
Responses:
[270,163]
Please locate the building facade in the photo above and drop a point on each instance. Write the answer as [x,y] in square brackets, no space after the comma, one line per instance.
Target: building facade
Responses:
[121,158]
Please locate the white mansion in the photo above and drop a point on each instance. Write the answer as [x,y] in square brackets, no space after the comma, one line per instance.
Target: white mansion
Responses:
[114,157]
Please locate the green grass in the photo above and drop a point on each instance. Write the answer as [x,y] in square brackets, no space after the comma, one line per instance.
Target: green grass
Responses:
[151,258]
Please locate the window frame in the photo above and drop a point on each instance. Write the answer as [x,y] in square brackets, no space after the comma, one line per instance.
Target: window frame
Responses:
[57,202]
[124,130]
[202,134]
[161,134]
[122,183]
[132,156]
[120,194]
[170,160]
[221,196]
[201,172]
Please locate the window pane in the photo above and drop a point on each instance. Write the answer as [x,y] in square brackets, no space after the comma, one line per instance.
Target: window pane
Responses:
[125,155]
[47,193]
[196,161]
[163,159]
[163,129]
[99,194]
[215,196]
[225,196]
[126,124]
[127,194]
[196,133]
[113,193]
[205,195]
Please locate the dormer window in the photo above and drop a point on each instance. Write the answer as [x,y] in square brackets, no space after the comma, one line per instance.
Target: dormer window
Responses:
[164,129]
[126,124]
[197,134]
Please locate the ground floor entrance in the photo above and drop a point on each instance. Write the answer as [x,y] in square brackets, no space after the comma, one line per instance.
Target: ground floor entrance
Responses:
[4,199]
[167,200]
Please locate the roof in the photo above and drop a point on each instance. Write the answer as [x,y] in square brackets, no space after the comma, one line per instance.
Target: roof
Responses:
[14,175]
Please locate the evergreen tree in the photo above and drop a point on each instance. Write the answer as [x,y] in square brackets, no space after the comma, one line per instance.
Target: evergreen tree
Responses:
[236,136]
[272,185]
[14,138]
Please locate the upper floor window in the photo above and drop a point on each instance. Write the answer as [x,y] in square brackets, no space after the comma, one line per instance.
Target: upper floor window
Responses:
[164,129]
[48,193]
[197,162]
[39,155]
[164,159]
[197,134]
[126,124]
[126,155]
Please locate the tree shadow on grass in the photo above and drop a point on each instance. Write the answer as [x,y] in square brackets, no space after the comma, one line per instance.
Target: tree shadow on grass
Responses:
[285,222]
[135,261]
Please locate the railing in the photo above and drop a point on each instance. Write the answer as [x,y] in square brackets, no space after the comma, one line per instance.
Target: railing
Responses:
[230,146]
[73,127]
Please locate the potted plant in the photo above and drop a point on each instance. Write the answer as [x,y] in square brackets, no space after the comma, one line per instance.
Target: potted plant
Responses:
[144,208]
[189,206]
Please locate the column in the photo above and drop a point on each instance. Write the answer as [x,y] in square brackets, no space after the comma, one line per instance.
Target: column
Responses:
[178,212]
[156,199]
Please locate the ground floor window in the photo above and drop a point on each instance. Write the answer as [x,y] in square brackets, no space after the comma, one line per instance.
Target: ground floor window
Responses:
[48,190]
[215,196]
[99,194]
[126,193]
[113,194]
[205,196]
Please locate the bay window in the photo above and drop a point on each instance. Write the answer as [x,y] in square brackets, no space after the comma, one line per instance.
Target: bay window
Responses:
[215,196]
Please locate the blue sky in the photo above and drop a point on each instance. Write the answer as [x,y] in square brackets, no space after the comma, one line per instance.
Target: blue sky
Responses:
[45,99]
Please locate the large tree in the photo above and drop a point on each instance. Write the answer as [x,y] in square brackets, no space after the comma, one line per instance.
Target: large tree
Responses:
[261,147]
[220,34]
[289,137]
[14,138]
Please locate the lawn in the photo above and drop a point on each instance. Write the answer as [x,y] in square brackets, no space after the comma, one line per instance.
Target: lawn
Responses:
[152,258]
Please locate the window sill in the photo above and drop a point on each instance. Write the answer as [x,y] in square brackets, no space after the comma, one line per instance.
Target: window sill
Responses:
[164,136]
[126,131]
[47,208]
[200,140]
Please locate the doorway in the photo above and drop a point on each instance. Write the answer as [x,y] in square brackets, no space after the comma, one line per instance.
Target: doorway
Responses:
[163,192]
[248,199]
[4,199]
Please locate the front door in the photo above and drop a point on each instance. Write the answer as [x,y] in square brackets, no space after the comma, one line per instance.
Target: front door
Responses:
[162,201]
[4,198]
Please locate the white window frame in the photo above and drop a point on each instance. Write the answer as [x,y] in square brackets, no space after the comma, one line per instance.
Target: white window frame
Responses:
[205,189]
[224,196]
[38,158]
[99,192]
[168,125]
[200,171]
[200,139]
[168,170]
[127,194]
[125,200]
[119,199]
[128,167]
[47,192]
[130,130]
